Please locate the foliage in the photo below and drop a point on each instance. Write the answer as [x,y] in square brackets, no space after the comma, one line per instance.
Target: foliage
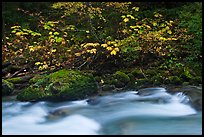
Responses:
[105,35]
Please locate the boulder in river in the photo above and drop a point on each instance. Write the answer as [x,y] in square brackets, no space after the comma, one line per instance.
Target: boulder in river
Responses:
[193,92]
[61,85]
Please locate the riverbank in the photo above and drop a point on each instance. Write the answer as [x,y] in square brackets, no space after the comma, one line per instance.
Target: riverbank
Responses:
[69,84]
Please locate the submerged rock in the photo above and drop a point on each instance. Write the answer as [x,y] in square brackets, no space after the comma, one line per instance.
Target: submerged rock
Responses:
[60,85]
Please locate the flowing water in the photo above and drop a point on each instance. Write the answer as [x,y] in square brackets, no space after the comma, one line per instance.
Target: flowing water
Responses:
[148,111]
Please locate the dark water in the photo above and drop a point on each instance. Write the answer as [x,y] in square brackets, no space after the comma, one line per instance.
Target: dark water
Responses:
[154,112]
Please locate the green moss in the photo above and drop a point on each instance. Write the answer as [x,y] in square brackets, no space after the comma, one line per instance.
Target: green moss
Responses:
[32,93]
[174,80]
[186,75]
[131,76]
[185,83]
[7,87]
[120,79]
[36,78]
[15,80]
[157,79]
[121,76]
[66,84]
[137,73]
[151,72]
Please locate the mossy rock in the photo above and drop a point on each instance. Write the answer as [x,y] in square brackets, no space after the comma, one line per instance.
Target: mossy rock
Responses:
[120,79]
[61,85]
[7,87]
[19,80]
[137,73]
[151,72]
[121,76]
[157,79]
[108,87]
[15,80]
[142,81]
[196,80]
[36,78]
[174,80]
[131,76]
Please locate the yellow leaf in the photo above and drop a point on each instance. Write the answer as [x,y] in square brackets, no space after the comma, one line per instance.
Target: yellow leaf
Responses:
[102,81]
[154,24]
[54,50]
[40,68]
[78,54]
[109,42]
[133,27]
[9,43]
[93,51]
[130,16]
[126,20]
[124,31]
[157,15]
[169,32]
[167,27]
[113,52]
[170,21]
[136,8]
[148,26]
[109,48]
[13,27]
[45,66]
[174,39]
[123,16]
[31,48]
[104,45]
[116,49]
[18,34]
[37,63]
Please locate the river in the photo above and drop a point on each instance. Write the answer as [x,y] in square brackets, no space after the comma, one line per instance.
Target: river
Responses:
[150,111]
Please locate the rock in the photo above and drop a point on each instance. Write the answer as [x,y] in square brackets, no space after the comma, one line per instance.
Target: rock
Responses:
[193,92]
[196,80]
[7,87]
[137,73]
[120,79]
[108,87]
[17,80]
[59,86]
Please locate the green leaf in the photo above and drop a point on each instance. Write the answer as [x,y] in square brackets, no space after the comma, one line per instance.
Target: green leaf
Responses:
[58,39]
[56,33]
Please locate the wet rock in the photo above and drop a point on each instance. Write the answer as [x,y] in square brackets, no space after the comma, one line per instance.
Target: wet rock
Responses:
[150,91]
[193,92]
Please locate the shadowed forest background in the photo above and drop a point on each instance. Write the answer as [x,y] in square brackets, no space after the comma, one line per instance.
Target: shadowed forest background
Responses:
[161,40]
